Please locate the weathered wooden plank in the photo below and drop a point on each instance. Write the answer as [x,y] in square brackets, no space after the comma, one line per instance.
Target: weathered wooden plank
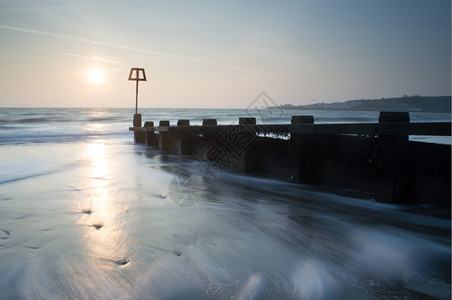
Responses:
[435,129]
[425,128]
[438,129]
[160,128]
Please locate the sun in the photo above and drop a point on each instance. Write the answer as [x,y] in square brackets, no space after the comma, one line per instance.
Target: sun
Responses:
[95,76]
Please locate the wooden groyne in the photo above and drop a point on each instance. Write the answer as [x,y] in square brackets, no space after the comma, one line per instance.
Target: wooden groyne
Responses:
[375,158]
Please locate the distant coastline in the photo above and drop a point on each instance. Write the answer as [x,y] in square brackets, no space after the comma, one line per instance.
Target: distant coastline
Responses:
[405,103]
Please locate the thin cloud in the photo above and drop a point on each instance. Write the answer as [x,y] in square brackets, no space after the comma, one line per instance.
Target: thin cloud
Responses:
[95,58]
[84,40]
[28,9]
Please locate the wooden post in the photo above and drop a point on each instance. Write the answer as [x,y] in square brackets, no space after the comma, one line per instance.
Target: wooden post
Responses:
[183,122]
[137,120]
[183,142]
[169,140]
[248,160]
[209,134]
[390,161]
[163,136]
[211,122]
[206,149]
[301,153]
[151,139]
[139,136]
[247,121]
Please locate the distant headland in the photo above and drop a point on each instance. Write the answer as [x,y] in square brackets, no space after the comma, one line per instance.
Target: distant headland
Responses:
[405,103]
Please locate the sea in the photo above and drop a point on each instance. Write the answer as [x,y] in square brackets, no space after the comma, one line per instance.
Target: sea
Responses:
[85,213]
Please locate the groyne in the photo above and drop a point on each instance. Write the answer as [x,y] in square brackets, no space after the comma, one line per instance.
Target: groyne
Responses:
[375,158]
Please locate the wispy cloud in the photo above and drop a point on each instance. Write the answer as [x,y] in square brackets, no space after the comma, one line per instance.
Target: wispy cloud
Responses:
[12,8]
[95,58]
[116,46]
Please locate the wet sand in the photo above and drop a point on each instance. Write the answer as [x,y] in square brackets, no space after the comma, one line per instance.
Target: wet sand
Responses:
[105,220]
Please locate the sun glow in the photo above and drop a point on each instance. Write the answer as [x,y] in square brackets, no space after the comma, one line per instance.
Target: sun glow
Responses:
[95,76]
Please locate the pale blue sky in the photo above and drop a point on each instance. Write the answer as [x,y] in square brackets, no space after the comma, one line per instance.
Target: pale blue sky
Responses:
[222,53]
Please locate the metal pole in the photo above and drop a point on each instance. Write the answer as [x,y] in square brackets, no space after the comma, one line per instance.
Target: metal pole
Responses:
[136,97]
[137,78]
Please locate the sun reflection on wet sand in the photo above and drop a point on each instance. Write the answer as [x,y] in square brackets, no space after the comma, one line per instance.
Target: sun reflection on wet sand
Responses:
[105,237]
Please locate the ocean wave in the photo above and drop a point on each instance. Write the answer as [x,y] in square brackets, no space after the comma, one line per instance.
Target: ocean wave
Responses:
[56,120]
[104,119]
[32,137]
[34,120]
[2,127]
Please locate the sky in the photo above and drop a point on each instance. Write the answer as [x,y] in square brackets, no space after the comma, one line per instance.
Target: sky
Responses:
[221,54]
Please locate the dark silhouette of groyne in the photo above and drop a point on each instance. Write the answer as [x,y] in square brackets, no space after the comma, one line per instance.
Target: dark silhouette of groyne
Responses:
[374,158]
